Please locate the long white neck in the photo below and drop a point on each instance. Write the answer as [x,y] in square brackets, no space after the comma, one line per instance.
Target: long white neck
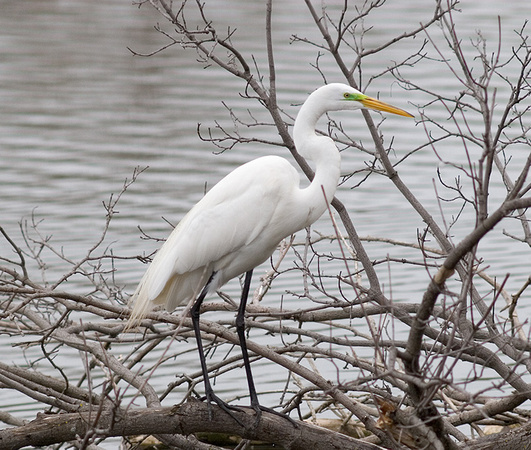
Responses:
[320,150]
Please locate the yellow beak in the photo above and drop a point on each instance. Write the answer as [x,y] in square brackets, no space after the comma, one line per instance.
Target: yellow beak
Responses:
[377,105]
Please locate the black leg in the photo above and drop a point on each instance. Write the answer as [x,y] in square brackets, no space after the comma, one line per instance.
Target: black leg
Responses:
[209,392]
[240,328]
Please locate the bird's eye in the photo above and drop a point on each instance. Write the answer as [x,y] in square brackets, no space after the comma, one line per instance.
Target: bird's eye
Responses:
[346,95]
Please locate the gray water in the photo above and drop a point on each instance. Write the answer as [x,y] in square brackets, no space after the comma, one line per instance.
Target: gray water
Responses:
[78,113]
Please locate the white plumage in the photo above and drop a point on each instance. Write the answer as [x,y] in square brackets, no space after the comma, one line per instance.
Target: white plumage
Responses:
[232,229]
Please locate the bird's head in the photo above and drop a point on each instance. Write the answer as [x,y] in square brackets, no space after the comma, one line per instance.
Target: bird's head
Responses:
[339,96]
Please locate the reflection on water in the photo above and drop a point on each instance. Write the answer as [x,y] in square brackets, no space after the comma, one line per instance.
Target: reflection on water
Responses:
[79,112]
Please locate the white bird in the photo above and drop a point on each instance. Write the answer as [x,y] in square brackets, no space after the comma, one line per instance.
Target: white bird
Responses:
[239,223]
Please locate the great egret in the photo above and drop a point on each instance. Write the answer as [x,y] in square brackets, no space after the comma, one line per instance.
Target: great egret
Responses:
[239,223]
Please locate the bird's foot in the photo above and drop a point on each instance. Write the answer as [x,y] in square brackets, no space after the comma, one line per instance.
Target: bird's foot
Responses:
[259,408]
[210,398]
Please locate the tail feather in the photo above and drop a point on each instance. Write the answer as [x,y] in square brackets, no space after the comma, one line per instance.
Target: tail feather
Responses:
[179,289]
[141,304]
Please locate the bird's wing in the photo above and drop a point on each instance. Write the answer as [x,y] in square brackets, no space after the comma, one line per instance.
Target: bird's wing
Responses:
[230,216]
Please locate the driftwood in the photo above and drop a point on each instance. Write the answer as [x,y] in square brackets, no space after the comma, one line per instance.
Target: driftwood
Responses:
[191,417]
